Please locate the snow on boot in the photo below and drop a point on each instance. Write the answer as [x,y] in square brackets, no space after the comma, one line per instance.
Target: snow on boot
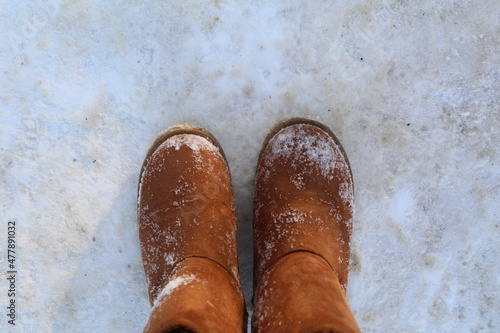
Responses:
[187,230]
[303,211]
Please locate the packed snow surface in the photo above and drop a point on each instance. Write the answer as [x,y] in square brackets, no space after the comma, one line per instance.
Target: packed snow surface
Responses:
[411,89]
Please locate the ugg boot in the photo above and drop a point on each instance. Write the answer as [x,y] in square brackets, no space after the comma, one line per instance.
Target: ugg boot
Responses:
[187,230]
[303,211]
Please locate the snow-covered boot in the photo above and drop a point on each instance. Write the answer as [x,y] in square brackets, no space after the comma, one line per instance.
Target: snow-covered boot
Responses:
[303,211]
[187,230]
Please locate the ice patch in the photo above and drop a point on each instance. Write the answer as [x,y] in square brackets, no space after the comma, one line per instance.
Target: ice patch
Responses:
[402,205]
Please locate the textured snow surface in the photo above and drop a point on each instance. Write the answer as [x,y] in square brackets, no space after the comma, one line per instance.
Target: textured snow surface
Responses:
[411,89]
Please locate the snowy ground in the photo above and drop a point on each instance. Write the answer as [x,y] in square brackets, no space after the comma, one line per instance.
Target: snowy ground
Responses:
[410,87]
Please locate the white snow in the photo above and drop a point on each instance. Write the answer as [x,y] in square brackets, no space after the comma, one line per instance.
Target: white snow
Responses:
[410,88]
[173,284]
[193,142]
[308,148]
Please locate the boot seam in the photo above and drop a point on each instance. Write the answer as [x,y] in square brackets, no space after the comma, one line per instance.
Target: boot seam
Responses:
[275,261]
[211,260]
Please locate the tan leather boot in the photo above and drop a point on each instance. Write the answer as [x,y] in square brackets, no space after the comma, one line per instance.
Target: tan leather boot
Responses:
[187,230]
[303,210]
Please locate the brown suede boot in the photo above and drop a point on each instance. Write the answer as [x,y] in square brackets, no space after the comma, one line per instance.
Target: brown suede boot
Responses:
[303,211]
[187,230]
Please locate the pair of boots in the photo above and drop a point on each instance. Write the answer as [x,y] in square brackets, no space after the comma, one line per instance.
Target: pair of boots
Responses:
[303,209]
